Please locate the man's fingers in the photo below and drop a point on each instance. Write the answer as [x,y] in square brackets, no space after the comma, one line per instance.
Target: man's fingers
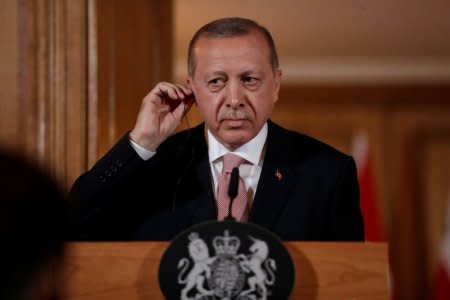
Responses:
[163,109]
[161,112]
[188,105]
[169,91]
[186,91]
[181,110]
[170,94]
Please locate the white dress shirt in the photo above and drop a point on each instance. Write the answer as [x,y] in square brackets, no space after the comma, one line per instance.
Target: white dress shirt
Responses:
[250,169]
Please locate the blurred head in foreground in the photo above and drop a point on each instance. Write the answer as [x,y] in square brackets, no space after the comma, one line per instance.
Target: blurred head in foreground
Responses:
[33,224]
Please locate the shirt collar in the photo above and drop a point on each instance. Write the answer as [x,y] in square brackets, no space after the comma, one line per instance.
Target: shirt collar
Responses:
[250,151]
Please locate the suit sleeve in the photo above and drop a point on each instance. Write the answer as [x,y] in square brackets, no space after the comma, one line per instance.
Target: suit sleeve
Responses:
[103,197]
[347,221]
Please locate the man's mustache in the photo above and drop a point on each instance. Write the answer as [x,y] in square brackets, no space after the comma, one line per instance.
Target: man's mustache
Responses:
[234,114]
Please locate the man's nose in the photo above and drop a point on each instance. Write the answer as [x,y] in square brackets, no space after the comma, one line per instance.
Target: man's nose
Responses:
[235,97]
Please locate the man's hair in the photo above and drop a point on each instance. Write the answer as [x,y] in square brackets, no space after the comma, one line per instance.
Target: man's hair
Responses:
[231,27]
[33,224]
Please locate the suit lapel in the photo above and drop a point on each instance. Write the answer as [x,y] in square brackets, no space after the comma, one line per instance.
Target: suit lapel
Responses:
[205,206]
[195,186]
[276,181]
[275,185]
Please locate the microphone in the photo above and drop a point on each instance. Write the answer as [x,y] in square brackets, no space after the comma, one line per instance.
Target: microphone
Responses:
[231,241]
[232,192]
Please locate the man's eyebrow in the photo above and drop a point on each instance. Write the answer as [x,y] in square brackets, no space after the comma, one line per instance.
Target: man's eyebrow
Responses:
[250,72]
[217,73]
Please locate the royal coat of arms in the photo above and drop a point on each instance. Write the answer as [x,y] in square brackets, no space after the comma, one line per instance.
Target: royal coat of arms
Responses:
[230,273]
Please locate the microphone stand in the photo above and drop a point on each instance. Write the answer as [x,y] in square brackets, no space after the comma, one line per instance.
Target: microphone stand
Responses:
[232,192]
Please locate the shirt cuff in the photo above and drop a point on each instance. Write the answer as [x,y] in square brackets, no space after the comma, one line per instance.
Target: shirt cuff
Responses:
[143,153]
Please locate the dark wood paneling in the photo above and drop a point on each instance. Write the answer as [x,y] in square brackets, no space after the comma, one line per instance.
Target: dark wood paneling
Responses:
[408,129]
[435,176]
[78,74]
[420,183]
[134,51]
[9,73]
[52,85]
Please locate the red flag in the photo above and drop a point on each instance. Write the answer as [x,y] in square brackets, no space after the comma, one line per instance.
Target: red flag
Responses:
[369,201]
[441,285]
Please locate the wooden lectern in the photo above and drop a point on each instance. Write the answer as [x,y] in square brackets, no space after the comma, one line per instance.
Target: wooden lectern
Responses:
[324,270]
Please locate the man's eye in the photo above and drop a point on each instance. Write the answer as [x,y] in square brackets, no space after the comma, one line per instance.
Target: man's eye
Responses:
[216,83]
[251,81]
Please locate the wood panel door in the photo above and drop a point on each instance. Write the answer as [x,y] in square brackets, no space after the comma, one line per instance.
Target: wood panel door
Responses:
[74,73]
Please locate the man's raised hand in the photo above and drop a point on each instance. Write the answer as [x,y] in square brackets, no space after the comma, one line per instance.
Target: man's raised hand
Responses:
[160,114]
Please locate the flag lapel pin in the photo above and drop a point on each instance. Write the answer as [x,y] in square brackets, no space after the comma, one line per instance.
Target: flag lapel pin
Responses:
[278,175]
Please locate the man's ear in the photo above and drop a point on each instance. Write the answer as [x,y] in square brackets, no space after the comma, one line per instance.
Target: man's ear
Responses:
[189,83]
[277,82]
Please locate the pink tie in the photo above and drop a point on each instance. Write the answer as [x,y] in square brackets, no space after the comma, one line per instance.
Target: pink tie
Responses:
[239,209]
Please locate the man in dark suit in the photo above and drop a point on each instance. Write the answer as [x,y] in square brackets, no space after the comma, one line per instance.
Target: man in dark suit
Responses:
[152,185]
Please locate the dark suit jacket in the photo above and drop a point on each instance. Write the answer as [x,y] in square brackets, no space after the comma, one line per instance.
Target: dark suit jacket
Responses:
[122,197]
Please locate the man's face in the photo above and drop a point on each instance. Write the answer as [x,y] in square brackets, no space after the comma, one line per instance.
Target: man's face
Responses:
[235,86]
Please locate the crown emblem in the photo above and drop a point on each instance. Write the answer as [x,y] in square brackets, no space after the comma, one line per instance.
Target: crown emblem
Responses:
[226,244]
[193,236]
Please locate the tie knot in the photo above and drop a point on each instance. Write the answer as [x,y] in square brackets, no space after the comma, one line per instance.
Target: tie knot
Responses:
[231,161]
